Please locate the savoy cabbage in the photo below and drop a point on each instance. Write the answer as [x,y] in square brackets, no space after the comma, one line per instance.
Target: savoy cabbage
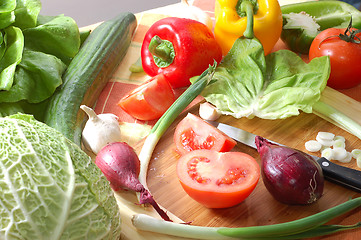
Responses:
[50,188]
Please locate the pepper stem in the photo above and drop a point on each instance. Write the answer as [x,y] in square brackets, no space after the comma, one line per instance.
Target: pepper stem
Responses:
[162,50]
[248,8]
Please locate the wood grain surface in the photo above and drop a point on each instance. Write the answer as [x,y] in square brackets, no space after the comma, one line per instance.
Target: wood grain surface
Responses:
[260,208]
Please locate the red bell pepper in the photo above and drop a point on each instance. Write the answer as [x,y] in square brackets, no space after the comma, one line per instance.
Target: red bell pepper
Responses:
[179,48]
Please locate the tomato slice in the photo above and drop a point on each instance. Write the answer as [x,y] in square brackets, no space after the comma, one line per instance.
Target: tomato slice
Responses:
[216,179]
[150,100]
[194,133]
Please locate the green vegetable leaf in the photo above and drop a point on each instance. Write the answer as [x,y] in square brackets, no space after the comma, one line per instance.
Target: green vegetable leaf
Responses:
[7,109]
[11,51]
[7,15]
[26,13]
[248,84]
[58,36]
[36,78]
[34,53]
[50,188]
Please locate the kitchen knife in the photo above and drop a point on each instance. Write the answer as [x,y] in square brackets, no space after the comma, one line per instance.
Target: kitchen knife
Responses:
[343,176]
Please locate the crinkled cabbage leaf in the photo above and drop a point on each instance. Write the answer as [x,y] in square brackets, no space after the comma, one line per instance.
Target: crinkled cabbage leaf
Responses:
[247,83]
[50,188]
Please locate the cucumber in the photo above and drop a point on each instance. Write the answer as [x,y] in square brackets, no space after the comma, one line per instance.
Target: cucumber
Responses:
[88,73]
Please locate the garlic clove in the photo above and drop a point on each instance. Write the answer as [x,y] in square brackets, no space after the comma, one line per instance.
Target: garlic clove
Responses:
[208,112]
[99,130]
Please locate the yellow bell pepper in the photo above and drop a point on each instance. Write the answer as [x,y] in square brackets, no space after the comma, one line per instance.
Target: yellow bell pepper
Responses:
[229,25]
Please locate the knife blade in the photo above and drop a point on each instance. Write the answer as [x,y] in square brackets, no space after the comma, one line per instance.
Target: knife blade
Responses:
[344,176]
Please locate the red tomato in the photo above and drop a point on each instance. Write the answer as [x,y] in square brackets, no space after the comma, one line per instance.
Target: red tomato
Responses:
[345,57]
[218,180]
[150,100]
[194,133]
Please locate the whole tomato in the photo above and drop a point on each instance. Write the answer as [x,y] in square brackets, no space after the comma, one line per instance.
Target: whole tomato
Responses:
[344,49]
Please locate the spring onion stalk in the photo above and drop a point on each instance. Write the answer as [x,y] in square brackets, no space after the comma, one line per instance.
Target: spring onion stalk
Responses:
[150,224]
[305,227]
[337,117]
[315,232]
[167,119]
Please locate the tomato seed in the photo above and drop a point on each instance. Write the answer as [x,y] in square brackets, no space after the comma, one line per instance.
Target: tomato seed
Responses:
[232,176]
[188,141]
[192,169]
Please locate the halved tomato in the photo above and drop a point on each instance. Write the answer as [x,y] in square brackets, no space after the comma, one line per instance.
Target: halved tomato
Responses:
[150,100]
[194,133]
[216,179]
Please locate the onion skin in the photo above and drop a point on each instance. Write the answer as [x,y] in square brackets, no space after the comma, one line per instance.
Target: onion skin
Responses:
[291,176]
[121,166]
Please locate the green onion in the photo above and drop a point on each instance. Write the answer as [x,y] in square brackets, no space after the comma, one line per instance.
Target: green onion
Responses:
[311,226]
[168,118]
[293,227]
[315,232]
[337,117]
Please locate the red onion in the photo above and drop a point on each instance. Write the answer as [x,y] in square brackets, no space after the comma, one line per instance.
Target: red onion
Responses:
[291,176]
[120,165]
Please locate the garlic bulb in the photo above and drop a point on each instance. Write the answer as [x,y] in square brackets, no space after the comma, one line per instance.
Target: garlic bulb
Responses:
[99,130]
[195,13]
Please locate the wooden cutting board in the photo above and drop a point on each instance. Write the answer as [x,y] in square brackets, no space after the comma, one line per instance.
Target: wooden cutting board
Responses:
[260,208]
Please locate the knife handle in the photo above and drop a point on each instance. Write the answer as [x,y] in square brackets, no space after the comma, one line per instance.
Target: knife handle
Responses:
[347,177]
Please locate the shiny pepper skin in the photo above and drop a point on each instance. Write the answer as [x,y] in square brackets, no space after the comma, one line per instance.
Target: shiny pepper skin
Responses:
[229,25]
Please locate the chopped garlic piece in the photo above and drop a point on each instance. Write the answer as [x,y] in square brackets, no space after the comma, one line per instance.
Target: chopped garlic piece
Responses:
[324,142]
[208,112]
[356,153]
[339,154]
[339,138]
[313,146]
[339,144]
[326,136]
[347,159]
[327,153]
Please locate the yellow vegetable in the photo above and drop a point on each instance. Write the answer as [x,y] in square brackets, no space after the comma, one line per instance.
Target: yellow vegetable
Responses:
[230,25]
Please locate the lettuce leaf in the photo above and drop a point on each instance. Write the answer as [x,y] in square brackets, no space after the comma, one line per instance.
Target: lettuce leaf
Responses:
[7,15]
[247,83]
[36,78]
[11,51]
[26,13]
[50,188]
[34,53]
[58,36]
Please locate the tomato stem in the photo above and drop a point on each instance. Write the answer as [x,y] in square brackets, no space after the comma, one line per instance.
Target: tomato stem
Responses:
[348,36]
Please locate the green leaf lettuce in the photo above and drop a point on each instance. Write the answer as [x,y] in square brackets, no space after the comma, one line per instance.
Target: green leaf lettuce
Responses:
[34,53]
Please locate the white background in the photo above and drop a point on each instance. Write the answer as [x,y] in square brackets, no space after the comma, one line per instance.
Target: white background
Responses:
[86,12]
